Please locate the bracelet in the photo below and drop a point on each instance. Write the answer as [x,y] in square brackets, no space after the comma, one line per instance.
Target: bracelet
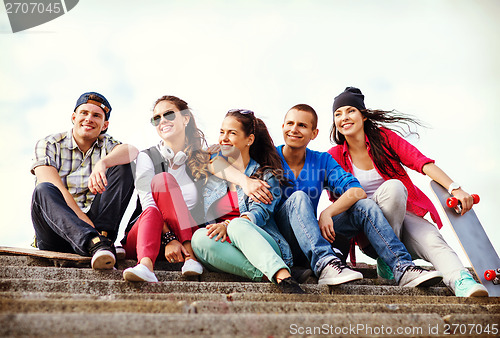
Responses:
[168,237]
[226,222]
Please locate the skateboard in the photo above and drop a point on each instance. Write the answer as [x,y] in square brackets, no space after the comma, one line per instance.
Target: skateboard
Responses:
[60,259]
[473,239]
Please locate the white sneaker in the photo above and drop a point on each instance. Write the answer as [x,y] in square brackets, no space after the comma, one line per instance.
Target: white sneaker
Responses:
[192,268]
[416,276]
[103,260]
[139,273]
[335,273]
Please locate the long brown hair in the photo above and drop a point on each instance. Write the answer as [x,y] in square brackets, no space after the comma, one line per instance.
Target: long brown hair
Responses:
[195,139]
[381,150]
[262,150]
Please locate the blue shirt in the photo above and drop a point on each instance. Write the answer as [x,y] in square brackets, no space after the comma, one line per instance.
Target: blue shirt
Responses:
[320,172]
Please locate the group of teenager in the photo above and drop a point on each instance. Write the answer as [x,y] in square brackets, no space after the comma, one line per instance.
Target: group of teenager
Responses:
[245,206]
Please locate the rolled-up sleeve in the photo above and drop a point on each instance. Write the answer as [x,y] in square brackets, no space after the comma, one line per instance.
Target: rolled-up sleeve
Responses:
[44,155]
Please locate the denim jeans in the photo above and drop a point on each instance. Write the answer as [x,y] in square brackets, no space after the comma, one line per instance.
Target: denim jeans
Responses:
[297,223]
[58,228]
[365,216]
[252,252]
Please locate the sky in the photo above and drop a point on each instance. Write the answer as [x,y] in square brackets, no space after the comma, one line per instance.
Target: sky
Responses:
[436,60]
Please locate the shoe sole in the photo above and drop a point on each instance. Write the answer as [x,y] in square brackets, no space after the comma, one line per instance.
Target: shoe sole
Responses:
[337,281]
[105,261]
[429,279]
[478,291]
[191,273]
[129,276]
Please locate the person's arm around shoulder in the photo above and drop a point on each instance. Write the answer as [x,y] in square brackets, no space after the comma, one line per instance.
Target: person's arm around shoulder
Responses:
[438,175]
[121,154]
[257,190]
[260,213]
[46,173]
[345,201]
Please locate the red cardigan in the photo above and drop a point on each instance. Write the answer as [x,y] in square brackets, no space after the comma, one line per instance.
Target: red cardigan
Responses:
[418,203]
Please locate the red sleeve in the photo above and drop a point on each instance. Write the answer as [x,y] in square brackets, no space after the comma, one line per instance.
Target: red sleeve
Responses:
[410,156]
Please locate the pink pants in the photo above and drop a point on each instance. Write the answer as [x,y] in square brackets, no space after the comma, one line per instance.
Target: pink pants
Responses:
[144,239]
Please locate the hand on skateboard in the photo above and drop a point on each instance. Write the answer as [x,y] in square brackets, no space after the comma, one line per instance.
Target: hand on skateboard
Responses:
[453,202]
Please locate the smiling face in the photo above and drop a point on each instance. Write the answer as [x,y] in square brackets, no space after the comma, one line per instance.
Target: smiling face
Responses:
[298,128]
[349,121]
[170,130]
[88,123]
[232,138]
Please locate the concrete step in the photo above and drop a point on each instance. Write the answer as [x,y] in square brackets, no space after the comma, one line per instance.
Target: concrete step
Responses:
[225,306]
[252,324]
[107,287]
[55,273]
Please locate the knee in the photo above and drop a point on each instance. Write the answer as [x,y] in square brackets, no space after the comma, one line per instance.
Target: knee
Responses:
[44,189]
[395,188]
[300,199]
[163,182]
[123,171]
[201,242]
[239,227]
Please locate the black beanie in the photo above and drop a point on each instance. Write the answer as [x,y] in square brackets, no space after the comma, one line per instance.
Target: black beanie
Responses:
[351,96]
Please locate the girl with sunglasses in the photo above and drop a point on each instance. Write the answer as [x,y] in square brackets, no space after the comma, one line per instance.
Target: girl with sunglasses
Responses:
[235,242]
[376,156]
[168,181]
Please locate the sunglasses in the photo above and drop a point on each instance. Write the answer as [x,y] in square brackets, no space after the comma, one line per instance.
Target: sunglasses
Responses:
[242,111]
[169,115]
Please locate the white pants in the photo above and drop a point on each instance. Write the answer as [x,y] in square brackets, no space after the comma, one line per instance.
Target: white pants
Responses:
[421,238]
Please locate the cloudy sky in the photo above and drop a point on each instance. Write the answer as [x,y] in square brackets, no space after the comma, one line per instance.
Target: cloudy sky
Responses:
[436,60]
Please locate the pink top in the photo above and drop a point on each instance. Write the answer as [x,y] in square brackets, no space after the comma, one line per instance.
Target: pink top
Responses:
[411,157]
[228,207]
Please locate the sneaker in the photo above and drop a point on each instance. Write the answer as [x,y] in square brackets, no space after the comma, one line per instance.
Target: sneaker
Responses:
[416,276]
[290,285]
[103,260]
[336,272]
[120,253]
[192,268]
[383,270]
[300,274]
[139,273]
[103,254]
[466,286]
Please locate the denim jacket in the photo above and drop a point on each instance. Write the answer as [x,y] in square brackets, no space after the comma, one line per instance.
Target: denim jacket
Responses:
[259,213]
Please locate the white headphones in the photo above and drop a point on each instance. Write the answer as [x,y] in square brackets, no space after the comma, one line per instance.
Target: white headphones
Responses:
[174,159]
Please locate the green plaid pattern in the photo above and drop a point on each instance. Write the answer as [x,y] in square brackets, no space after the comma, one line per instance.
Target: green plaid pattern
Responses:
[61,152]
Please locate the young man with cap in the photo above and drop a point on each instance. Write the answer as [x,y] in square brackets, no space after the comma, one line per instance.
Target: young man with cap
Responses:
[309,172]
[84,183]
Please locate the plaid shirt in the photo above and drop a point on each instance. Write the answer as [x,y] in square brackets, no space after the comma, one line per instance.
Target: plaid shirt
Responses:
[61,152]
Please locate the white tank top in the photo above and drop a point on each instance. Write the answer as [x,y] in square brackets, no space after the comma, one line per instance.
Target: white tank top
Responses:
[370,180]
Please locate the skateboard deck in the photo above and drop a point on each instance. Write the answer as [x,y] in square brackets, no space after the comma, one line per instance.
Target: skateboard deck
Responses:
[473,239]
[57,258]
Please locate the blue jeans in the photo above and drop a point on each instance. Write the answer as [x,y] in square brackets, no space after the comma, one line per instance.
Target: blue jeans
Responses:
[366,216]
[58,228]
[297,222]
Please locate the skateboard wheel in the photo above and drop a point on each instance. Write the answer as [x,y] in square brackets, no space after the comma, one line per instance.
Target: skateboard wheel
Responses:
[451,202]
[476,198]
[490,275]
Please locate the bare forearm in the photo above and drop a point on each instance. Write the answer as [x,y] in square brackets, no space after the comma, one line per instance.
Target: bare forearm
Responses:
[345,201]
[438,175]
[222,169]
[121,154]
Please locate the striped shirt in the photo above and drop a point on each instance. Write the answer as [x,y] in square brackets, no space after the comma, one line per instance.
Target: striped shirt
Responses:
[61,152]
